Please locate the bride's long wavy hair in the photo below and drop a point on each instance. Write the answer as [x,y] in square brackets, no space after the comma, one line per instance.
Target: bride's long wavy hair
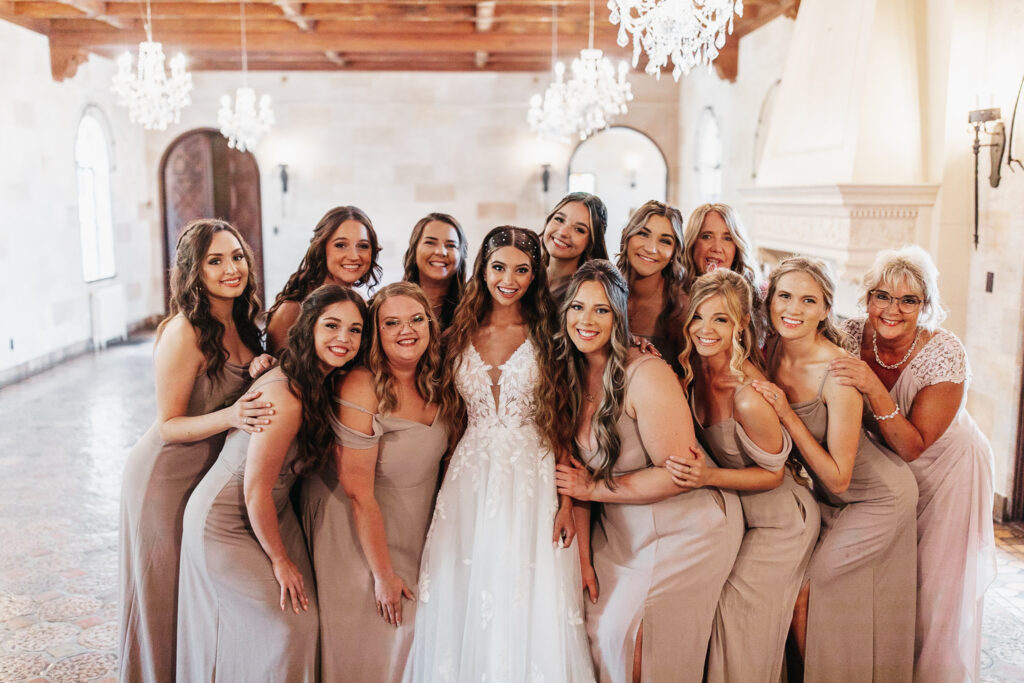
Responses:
[613,379]
[539,315]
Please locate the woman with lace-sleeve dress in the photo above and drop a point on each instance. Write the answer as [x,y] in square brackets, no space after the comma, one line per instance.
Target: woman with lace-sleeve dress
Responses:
[914,376]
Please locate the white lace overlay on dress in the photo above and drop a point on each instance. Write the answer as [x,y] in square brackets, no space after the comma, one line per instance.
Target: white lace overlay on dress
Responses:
[943,358]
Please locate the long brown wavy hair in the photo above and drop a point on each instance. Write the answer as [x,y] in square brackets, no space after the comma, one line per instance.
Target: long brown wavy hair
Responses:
[673,272]
[539,315]
[613,379]
[457,283]
[822,275]
[598,224]
[312,270]
[428,369]
[301,365]
[188,296]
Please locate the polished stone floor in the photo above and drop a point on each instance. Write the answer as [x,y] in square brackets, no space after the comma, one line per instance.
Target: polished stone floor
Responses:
[64,436]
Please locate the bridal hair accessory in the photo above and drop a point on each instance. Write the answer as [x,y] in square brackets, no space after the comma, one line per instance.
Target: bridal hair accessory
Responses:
[505,237]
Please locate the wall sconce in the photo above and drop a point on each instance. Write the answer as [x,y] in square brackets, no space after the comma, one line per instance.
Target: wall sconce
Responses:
[545,177]
[283,174]
[986,120]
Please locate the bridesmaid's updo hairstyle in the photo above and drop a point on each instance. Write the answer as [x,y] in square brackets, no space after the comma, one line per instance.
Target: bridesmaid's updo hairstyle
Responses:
[189,298]
[613,380]
[312,269]
[539,315]
[598,224]
[457,283]
[428,369]
[301,365]
[737,297]
[822,275]
[912,265]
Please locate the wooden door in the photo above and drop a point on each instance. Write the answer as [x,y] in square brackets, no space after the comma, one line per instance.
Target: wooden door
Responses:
[201,177]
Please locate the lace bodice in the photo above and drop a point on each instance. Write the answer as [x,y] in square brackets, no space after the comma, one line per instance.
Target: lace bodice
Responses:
[515,406]
[942,359]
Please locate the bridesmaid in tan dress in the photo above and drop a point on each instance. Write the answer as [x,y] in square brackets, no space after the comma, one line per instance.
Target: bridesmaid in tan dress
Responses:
[342,251]
[660,553]
[436,261]
[366,527]
[854,618]
[202,352]
[651,259]
[247,607]
[720,359]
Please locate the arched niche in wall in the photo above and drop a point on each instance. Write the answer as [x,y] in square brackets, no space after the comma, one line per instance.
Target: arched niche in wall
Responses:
[201,177]
[764,117]
[707,162]
[625,168]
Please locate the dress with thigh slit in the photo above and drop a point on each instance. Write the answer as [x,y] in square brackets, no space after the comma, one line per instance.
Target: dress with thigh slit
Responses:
[661,565]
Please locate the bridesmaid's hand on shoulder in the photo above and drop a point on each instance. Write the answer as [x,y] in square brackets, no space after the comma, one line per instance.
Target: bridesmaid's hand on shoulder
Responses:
[261,364]
[646,347]
[248,413]
[292,584]
[775,396]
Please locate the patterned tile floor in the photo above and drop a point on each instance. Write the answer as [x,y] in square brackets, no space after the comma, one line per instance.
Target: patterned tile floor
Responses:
[64,435]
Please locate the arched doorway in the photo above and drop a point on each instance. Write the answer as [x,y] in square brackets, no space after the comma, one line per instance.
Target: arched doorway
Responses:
[201,177]
[625,168]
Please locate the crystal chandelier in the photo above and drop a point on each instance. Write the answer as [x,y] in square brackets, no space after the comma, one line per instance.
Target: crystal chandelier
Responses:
[549,114]
[690,32]
[242,125]
[153,99]
[595,95]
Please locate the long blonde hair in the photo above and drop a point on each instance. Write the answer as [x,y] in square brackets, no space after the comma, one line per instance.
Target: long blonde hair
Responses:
[822,275]
[738,299]
[428,368]
[613,379]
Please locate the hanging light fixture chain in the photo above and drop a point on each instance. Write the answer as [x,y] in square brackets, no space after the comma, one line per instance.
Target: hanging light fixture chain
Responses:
[149,22]
[590,43]
[245,53]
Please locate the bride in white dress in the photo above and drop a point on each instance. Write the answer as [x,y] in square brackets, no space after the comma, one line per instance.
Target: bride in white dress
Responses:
[500,591]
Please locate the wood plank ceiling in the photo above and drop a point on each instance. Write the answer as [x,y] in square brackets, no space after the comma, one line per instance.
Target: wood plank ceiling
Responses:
[331,35]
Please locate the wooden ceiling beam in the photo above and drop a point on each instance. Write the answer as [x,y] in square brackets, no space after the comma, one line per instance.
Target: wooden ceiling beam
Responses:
[93,9]
[293,12]
[350,42]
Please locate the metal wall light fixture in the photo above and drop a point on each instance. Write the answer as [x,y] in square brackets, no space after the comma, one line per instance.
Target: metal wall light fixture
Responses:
[987,121]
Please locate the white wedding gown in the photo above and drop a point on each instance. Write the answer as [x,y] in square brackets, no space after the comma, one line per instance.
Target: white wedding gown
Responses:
[496,601]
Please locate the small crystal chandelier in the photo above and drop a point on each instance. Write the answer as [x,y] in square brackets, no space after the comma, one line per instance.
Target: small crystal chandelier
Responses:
[550,115]
[243,126]
[153,99]
[595,95]
[690,32]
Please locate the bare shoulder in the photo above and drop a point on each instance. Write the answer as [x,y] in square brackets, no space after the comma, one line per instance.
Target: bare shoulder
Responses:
[750,407]
[358,387]
[179,345]
[276,388]
[179,330]
[651,378]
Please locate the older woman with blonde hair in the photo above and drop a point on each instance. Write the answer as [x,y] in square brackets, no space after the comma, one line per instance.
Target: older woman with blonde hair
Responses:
[914,377]
[716,238]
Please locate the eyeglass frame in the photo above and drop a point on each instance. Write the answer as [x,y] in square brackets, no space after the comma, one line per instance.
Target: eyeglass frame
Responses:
[901,302]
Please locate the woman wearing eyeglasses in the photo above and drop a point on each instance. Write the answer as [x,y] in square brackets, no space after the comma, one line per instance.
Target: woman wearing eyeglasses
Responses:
[914,377]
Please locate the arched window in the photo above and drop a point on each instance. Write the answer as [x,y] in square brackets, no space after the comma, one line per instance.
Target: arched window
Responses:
[708,157]
[92,158]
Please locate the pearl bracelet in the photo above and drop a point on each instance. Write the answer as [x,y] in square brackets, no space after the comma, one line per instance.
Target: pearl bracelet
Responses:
[894,413]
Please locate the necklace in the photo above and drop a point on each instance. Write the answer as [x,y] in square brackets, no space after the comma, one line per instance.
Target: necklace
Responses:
[874,346]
